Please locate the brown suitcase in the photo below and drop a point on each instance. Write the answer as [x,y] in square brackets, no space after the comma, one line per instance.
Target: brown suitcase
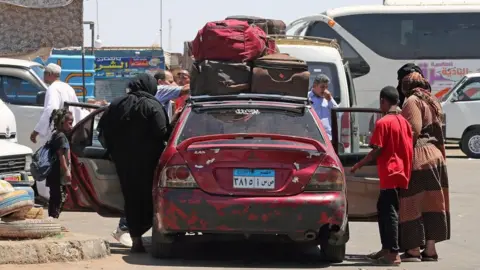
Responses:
[215,78]
[280,74]
[271,27]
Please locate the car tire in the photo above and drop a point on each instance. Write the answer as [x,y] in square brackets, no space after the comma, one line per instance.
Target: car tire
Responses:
[162,245]
[333,253]
[470,144]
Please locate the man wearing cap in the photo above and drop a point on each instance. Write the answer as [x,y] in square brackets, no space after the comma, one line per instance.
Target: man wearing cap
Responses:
[322,101]
[58,92]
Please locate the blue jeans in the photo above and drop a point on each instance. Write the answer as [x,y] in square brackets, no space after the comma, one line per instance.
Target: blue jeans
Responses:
[123,224]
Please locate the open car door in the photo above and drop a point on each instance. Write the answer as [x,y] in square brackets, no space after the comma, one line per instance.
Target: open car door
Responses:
[95,184]
[363,186]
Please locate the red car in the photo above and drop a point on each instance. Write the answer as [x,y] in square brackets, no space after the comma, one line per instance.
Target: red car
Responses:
[249,166]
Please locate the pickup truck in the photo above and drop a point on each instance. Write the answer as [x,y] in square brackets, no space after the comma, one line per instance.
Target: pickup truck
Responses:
[15,158]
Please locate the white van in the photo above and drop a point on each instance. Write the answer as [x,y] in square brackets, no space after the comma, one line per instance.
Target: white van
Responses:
[324,56]
[15,158]
[461,106]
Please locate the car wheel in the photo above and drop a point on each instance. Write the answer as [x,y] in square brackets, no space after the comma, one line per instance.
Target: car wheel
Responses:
[470,144]
[333,253]
[329,251]
[162,244]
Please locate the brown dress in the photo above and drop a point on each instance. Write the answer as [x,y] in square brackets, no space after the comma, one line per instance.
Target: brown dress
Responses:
[424,206]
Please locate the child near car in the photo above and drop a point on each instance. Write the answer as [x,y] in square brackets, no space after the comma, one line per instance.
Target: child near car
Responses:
[60,175]
[392,143]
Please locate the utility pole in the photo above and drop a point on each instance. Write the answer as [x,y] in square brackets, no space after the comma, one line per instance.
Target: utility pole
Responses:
[161,24]
[170,35]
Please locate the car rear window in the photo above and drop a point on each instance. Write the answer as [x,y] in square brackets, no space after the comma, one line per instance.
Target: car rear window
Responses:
[203,122]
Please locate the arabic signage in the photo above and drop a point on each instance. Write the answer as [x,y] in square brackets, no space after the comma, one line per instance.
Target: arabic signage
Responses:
[442,75]
[126,67]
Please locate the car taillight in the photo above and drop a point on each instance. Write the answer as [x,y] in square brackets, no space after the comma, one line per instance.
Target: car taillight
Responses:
[326,179]
[178,176]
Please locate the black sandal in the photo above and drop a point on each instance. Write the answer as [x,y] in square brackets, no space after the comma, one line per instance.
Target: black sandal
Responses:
[427,258]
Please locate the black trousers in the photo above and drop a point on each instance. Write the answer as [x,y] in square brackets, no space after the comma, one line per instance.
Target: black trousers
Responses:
[387,207]
[58,196]
[122,224]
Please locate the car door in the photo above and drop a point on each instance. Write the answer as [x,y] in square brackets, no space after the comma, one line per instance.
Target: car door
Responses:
[94,174]
[363,186]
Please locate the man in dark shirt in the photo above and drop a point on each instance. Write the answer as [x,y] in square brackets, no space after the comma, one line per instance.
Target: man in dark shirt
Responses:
[392,143]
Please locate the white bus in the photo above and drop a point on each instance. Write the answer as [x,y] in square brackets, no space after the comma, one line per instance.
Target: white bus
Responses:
[443,39]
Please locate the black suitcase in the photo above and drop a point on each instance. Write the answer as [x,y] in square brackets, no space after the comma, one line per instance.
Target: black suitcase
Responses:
[215,78]
[271,27]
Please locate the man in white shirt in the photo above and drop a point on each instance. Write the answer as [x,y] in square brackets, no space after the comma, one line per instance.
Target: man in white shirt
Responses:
[58,92]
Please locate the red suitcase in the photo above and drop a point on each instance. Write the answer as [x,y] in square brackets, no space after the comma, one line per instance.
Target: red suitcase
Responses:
[229,40]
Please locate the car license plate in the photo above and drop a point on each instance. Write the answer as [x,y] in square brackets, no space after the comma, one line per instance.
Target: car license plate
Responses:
[253,179]
[11,177]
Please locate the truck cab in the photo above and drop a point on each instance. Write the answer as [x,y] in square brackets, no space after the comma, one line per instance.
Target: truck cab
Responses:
[324,56]
[17,76]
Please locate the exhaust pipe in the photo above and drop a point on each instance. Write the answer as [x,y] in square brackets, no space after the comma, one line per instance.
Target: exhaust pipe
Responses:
[310,235]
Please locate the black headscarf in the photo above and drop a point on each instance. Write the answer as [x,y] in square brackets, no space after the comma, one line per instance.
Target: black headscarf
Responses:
[143,83]
[402,73]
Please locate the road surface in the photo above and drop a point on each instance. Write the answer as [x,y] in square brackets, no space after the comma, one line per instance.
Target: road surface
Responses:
[459,253]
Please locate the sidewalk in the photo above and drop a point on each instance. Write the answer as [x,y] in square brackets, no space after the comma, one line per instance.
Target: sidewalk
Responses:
[66,247]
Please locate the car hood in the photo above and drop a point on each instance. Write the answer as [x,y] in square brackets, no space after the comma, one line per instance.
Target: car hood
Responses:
[13,149]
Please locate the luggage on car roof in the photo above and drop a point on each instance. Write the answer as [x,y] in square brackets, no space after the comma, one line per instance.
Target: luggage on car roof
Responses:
[229,40]
[211,77]
[271,27]
[280,74]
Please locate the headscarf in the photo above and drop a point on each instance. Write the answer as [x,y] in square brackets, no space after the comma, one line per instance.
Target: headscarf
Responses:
[415,84]
[143,83]
[401,73]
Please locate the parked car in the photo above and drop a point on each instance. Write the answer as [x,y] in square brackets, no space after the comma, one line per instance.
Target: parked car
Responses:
[461,106]
[247,165]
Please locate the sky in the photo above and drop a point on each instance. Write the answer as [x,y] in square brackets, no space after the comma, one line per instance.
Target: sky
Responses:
[137,22]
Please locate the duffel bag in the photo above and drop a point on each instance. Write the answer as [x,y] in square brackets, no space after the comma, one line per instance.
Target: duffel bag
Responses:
[213,78]
[280,74]
[229,40]
[271,27]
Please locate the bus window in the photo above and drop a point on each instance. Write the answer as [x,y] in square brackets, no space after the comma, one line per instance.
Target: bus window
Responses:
[358,66]
[417,35]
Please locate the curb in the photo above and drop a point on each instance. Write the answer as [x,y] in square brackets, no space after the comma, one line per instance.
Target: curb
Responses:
[66,247]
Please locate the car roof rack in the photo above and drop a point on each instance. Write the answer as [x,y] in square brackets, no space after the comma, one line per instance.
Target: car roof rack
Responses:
[305,40]
[249,97]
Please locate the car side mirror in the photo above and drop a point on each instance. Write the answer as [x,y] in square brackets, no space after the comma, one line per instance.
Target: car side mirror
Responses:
[40,100]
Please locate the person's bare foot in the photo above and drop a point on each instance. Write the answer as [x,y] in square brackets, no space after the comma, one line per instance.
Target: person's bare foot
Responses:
[390,259]
[377,255]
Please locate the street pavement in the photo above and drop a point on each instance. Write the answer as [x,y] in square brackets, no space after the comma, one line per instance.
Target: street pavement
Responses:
[460,252]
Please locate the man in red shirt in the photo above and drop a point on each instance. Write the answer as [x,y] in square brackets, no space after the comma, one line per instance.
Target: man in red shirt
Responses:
[392,143]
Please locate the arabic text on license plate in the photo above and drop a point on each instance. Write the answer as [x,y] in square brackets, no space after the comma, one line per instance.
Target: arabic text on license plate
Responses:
[11,177]
[253,179]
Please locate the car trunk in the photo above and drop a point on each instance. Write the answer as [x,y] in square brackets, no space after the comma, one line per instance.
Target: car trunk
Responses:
[253,169]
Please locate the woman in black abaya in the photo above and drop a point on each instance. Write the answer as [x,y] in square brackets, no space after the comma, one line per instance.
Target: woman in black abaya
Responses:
[134,130]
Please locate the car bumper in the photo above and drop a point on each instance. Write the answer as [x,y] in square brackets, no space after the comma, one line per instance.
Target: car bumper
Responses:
[26,179]
[196,211]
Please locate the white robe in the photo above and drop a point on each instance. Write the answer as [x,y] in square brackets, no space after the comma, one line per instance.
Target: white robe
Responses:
[57,93]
